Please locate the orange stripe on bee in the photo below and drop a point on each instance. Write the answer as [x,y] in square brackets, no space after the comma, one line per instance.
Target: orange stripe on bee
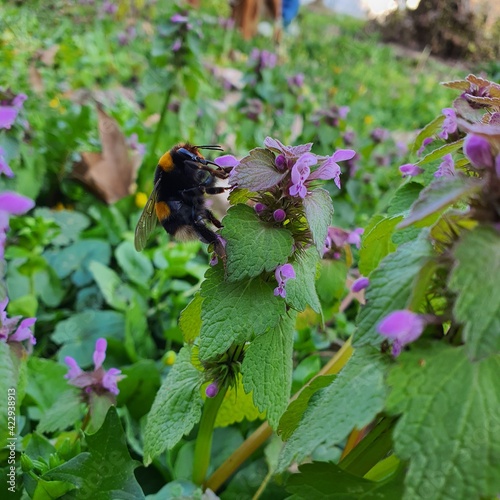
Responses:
[162,210]
[166,162]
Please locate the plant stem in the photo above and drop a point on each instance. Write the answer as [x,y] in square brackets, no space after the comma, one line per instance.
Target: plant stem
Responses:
[260,436]
[203,444]
[371,449]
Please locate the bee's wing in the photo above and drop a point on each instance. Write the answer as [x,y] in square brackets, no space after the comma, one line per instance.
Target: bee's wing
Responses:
[147,221]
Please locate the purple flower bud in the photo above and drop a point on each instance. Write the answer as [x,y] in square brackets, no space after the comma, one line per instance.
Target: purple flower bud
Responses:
[478,150]
[212,390]
[402,327]
[259,208]
[279,215]
[281,162]
[410,170]
[100,352]
[360,284]
[349,137]
[214,260]
[178,18]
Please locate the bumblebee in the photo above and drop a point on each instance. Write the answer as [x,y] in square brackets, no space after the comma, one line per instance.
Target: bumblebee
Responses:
[182,177]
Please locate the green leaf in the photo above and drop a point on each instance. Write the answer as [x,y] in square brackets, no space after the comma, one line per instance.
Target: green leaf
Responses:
[106,471]
[257,171]
[441,151]
[449,428]
[430,129]
[318,209]
[331,281]
[235,312]
[352,400]
[403,198]
[45,382]
[138,342]
[80,332]
[176,409]
[252,245]
[377,244]
[475,280]
[325,481]
[136,265]
[267,369]
[390,287]
[10,401]
[71,223]
[116,293]
[190,319]
[293,415]
[301,291]
[64,413]
[438,195]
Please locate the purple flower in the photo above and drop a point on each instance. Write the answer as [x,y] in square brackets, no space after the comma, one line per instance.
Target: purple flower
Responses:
[179,19]
[291,153]
[263,59]
[281,162]
[279,215]
[296,80]
[402,327]
[176,45]
[15,204]
[212,390]
[447,167]
[109,7]
[449,124]
[300,174]
[402,148]
[379,135]
[99,380]
[227,161]
[15,329]
[4,167]
[9,109]
[478,150]
[497,165]
[329,169]
[283,273]
[360,284]
[410,170]
[425,143]
[134,144]
[331,115]
[349,137]
[354,237]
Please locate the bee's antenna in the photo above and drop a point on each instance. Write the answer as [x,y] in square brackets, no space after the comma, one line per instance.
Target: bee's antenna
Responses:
[213,147]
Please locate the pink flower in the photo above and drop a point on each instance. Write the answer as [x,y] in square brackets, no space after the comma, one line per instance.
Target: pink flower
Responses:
[300,174]
[15,329]
[446,168]
[9,109]
[478,150]
[329,169]
[402,327]
[410,170]
[425,143]
[99,380]
[354,237]
[282,274]
[360,284]
[4,167]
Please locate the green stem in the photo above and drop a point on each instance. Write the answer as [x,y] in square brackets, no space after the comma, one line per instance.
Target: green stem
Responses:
[203,444]
[373,448]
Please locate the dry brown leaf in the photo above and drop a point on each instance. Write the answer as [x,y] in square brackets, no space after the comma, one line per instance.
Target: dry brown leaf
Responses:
[35,79]
[48,56]
[110,174]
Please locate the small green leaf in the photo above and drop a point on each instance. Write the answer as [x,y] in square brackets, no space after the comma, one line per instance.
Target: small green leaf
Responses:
[80,332]
[253,246]
[475,280]
[106,471]
[64,413]
[390,287]
[267,369]
[136,265]
[293,415]
[257,171]
[319,212]
[176,409]
[377,244]
[403,198]
[116,293]
[301,291]
[190,319]
[71,223]
[439,195]
[235,312]
[351,401]
[331,281]
[8,386]
[138,342]
[449,424]
[430,129]
[441,151]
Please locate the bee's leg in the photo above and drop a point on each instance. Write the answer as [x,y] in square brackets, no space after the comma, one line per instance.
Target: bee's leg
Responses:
[208,236]
[211,217]
[217,172]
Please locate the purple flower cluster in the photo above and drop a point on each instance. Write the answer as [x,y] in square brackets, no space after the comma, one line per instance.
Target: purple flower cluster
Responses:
[331,116]
[125,37]
[263,59]
[15,329]
[98,381]
[337,238]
